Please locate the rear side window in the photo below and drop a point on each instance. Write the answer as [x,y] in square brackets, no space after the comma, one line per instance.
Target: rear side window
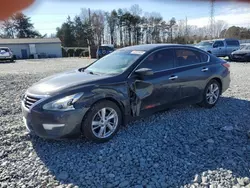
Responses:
[187,57]
[233,43]
[159,61]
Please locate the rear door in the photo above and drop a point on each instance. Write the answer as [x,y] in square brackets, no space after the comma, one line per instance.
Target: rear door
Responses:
[192,69]
[232,45]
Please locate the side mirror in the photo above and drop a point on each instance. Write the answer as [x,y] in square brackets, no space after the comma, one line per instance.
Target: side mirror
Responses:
[215,45]
[144,72]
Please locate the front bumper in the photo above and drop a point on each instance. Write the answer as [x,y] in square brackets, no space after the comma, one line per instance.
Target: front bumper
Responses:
[240,57]
[6,58]
[50,124]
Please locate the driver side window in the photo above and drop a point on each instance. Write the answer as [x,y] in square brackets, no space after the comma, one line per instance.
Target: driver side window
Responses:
[219,43]
[159,61]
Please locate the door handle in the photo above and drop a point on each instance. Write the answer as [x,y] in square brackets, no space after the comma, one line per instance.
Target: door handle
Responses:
[173,77]
[204,69]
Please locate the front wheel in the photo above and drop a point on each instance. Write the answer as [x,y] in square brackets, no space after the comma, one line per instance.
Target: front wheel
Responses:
[230,58]
[211,94]
[102,121]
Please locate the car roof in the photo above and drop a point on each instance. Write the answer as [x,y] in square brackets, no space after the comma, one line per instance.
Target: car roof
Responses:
[148,47]
[225,39]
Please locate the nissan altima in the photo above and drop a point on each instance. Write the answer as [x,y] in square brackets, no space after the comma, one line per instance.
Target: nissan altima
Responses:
[127,84]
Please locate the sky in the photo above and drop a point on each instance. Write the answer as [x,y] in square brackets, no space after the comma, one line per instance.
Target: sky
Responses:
[47,15]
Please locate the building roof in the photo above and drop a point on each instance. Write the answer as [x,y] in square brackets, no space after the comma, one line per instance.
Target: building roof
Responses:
[30,41]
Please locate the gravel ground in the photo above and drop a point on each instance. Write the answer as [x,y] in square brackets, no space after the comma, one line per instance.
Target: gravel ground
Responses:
[185,147]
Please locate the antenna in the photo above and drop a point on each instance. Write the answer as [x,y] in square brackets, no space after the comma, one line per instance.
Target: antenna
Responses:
[212,20]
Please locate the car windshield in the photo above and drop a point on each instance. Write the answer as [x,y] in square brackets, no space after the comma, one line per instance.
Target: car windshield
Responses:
[205,43]
[3,50]
[114,63]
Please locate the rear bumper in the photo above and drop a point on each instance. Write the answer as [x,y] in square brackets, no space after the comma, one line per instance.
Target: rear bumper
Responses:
[226,82]
[53,125]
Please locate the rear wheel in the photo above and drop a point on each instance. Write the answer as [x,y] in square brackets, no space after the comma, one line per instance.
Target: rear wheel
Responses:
[211,94]
[102,121]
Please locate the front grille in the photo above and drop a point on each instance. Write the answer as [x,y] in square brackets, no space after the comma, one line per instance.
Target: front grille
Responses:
[239,55]
[30,100]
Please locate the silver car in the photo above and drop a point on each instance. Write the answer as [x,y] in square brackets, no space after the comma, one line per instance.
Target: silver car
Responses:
[6,54]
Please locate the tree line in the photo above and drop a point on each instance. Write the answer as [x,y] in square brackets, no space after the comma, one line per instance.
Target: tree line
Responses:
[122,27]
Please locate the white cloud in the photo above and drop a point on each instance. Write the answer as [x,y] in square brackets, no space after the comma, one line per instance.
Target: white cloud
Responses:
[233,16]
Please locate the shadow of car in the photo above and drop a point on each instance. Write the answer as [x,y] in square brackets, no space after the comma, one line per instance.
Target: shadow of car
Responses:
[171,146]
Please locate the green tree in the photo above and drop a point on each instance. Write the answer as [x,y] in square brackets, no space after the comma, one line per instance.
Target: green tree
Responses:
[66,33]
[112,19]
[23,27]
[19,26]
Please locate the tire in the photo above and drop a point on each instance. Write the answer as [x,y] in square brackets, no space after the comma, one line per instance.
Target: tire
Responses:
[230,58]
[205,101]
[91,132]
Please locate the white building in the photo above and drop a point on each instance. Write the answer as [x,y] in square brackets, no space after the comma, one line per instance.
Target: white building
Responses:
[26,48]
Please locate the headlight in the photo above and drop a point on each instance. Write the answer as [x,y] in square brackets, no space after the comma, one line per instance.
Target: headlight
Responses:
[63,104]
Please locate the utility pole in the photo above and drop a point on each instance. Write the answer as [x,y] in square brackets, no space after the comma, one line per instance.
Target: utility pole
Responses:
[212,21]
[89,17]
[186,31]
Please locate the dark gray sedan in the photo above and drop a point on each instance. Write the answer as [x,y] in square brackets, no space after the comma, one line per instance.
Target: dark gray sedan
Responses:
[129,83]
[242,54]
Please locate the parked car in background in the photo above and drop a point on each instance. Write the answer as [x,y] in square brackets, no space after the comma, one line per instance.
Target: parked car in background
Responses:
[129,83]
[104,50]
[242,54]
[219,47]
[6,54]
[243,45]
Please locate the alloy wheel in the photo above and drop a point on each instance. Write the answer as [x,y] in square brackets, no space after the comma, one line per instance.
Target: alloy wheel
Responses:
[104,123]
[213,93]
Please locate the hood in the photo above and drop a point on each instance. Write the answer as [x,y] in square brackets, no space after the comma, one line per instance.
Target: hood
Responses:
[61,81]
[241,52]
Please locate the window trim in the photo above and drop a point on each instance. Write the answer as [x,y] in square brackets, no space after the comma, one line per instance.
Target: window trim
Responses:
[174,48]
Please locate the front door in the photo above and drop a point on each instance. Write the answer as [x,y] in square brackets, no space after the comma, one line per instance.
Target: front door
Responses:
[219,48]
[162,87]
[24,54]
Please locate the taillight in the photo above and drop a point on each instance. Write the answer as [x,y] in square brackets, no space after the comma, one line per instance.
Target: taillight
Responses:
[227,65]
